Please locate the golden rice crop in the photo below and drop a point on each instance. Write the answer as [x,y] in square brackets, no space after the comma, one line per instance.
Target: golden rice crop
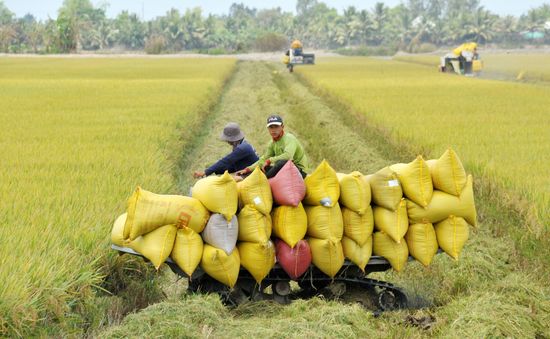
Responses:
[500,129]
[77,136]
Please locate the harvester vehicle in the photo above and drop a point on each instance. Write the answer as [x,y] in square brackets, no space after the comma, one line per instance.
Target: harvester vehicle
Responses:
[277,285]
[295,56]
[464,60]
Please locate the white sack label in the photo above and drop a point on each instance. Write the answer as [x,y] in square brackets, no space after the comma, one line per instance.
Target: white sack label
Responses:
[257,200]
[393,183]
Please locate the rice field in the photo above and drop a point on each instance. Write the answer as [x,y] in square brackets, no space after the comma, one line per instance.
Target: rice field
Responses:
[77,136]
[500,129]
[531,67]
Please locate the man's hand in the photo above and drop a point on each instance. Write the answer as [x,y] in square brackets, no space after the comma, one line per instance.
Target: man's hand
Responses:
[266,164]
[243,172]
[198,174]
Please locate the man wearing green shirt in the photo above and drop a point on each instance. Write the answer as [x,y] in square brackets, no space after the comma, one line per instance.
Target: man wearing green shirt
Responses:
[283,147]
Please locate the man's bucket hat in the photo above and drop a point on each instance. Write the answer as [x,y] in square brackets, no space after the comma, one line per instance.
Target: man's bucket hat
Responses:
[232,132]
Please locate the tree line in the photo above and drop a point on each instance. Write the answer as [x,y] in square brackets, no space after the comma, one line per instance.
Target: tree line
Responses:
[412,26]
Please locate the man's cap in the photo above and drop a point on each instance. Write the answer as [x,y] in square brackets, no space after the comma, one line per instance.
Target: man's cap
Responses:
[232,132]
[274,120]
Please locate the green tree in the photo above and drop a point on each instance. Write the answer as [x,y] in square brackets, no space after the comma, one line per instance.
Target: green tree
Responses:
[129,30]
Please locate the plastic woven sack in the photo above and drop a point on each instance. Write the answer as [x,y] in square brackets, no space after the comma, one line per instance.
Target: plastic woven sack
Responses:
[396,253]
[289,223]
[156,245]
[218,194]
[392,223]
[253,225]
[287,186]
[415,180]
[448,174]
[294,261]
[325,222]
[148,211]
[355,192]
[255,191]
[327,255]
[422,242]
[220,233]
[386,188]
[452,233]
[258,259]
[322,186]
[220,266]
[117,233]
[358,227]
[358,254]
[187,251]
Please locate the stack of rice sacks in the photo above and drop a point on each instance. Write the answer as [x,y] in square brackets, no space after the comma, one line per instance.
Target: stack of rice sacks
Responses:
[290,221]
[324,219]
[355,199]
[220,257]
[256,250]
[159,226]
[451,208]
[390,217]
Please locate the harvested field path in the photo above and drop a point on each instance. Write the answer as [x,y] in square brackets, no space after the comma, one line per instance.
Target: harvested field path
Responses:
[259,89]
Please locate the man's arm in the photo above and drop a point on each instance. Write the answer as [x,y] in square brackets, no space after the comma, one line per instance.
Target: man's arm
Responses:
[267,154]
[227,162]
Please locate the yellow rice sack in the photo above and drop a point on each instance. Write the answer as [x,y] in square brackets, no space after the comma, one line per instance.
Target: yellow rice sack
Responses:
[117,234]
[218,193]
[354,192]
[325,222]
[396,253]
[392,223]
[187,251]
[443,205]
[327,255]
[386,189]
[289,223]
[253,225]
[359,255]
[452,234]
[156,245]
[358,227]
[258,259]
[448,174]
[220,266]
[422,242]
[255,191]
[148,211]
[415,180]
[322,186]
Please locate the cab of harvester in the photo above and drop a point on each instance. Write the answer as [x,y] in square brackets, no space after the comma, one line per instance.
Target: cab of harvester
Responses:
[295,56]
[464,60]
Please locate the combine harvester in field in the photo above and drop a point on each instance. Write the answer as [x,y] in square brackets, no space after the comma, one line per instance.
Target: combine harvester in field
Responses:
[295,56]
[249,240]
[464,60]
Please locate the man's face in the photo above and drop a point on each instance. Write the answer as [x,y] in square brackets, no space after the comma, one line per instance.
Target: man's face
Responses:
[275,130]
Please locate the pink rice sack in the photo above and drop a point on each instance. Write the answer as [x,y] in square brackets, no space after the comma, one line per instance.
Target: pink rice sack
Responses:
[288,186]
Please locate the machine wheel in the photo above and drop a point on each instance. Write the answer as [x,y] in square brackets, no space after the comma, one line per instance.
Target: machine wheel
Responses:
[389,300]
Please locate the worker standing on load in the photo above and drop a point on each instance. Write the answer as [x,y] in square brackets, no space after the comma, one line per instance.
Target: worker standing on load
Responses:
[283,147]
[243,153]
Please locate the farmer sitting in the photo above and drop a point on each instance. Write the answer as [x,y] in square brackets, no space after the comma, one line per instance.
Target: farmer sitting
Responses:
[243,153]
[282,147]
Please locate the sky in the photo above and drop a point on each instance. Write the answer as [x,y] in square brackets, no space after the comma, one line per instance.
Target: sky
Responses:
[42,9]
